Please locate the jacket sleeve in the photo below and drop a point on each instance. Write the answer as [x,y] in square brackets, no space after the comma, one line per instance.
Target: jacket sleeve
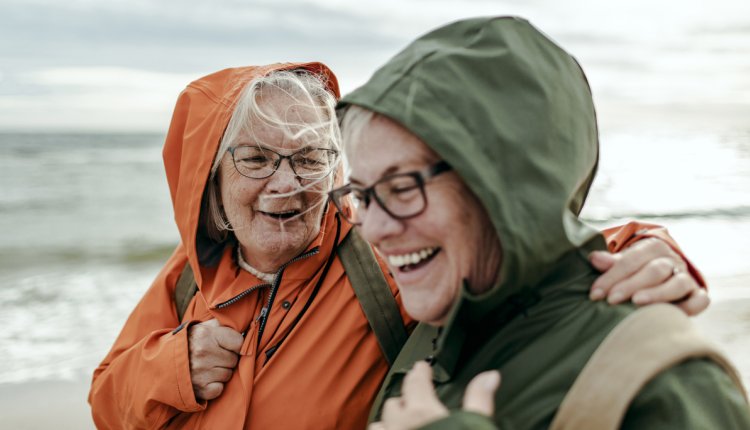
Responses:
[621,237]
[144,380]
[696,394]
[462,420]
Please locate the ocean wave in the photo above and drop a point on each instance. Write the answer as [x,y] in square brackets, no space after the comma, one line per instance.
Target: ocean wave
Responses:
[737,212]
[127,254]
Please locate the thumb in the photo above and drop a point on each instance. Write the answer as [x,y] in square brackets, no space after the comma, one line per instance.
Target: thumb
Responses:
[479,396]
[602,260]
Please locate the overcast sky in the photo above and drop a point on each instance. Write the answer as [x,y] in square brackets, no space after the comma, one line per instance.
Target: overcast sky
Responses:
[115,65]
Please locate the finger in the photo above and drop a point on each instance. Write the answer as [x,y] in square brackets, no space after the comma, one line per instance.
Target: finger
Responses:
[211,323]
[608,278]
[202,331]
[201,351]
[479,396]
[376,426]
[417,384]
[203,378]
[629,261]
[205,355]
[223,358]
[229,339]
[210,391]
[221,374]
[675,288]
[391,408]
[601,260]
[696,303]
[651,274]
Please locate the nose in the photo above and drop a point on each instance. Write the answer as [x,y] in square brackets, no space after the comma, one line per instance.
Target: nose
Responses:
[377,225]
[283,180]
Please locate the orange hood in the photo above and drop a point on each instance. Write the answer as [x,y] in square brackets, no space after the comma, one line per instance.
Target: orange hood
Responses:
[200,117]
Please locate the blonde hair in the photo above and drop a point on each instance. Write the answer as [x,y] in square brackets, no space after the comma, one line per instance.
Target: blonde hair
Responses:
[305,90]
[353,121]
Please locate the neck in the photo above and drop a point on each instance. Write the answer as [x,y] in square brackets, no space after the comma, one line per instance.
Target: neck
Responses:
[262,275]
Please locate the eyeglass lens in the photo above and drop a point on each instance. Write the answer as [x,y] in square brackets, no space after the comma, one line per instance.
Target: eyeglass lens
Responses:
[258,162]
[400,196]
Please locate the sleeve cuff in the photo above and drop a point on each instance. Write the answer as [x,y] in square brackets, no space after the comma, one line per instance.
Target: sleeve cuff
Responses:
[461,420]
[621,237]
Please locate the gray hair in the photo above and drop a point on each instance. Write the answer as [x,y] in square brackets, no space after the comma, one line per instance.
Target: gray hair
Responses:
[304,89]
[353,121]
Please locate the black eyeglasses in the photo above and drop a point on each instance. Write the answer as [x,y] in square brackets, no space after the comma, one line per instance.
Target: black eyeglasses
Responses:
[257,162]
[400,195]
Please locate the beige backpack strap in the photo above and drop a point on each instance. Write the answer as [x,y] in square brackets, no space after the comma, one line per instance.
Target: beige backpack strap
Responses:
[647,342]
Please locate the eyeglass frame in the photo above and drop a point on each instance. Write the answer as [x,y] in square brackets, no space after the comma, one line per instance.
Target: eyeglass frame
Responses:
[280,158]
[420,176]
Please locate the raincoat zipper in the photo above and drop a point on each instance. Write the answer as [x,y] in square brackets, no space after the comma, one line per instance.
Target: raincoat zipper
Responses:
[263,317]
[239,296]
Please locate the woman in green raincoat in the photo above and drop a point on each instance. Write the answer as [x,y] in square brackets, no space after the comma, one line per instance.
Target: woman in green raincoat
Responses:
[471,154]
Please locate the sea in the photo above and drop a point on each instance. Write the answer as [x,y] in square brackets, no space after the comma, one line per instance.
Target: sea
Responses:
[86,223]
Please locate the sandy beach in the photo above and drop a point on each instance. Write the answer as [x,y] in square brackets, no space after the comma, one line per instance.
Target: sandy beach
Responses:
[45,405]
[62,404]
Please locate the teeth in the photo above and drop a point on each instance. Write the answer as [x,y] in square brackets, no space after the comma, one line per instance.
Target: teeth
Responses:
[412,258]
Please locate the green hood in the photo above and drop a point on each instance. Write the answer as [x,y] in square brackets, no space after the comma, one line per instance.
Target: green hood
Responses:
[513,114]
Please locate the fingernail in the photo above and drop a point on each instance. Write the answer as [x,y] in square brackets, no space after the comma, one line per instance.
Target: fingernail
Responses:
[491,380]
[596,294]
[600,255]
[641,298]
[616,297]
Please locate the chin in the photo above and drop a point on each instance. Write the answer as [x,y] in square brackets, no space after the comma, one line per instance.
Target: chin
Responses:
[431,316]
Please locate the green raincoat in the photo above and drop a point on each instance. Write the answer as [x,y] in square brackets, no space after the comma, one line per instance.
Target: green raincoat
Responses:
[513,114]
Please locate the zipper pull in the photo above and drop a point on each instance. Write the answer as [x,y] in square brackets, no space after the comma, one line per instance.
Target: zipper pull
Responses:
[263,313]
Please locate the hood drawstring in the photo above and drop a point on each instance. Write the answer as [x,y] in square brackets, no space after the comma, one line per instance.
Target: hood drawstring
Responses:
[270,351]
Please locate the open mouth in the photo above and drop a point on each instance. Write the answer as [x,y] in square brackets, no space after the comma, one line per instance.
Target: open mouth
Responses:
[281,215]
[414,260]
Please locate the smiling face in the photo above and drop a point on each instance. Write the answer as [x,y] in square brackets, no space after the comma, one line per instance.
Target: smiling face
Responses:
[275,218]
[430,254]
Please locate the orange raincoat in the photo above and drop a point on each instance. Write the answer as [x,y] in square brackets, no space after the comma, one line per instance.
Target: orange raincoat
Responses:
[329,367]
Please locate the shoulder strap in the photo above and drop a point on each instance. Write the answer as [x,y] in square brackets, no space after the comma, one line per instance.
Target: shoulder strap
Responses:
[374,294]
[627,360]
[185,290]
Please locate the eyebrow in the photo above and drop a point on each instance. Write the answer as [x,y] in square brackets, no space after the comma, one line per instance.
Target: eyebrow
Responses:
[279,150]
[386,172]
